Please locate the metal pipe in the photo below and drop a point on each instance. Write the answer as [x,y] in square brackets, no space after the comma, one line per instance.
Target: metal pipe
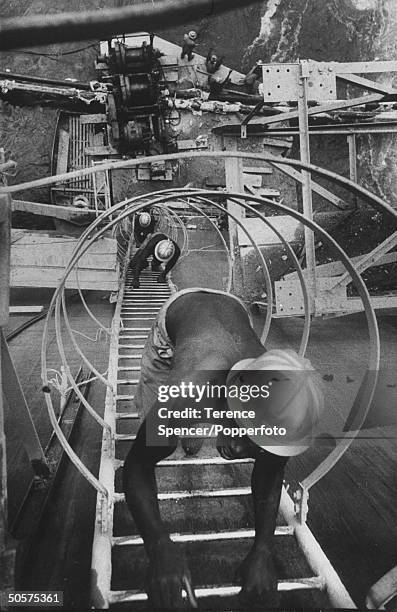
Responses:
[34,79]
[44,29]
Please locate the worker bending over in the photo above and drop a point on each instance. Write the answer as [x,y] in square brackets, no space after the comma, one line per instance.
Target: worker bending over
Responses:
[163,251]
[144,225]
[202,339]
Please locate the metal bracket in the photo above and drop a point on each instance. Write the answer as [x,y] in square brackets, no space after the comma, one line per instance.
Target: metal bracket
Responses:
[301,506]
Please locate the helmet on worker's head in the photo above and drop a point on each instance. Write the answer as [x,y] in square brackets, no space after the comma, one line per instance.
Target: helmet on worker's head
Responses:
[285,417]
[145,219]
[192,35]
[81,201]
[214,58]
[164,250]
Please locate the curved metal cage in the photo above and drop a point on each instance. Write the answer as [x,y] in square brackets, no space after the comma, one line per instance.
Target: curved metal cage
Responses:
[120,218]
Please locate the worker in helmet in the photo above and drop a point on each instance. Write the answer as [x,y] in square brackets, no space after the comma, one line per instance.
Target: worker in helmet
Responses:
[163,251]
[144,225]
[189,44]
[216,84]
[213,62]
[203,339]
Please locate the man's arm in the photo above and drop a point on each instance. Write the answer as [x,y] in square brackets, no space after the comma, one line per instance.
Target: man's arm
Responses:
[259,579]
[168,572]
[266,482]
[140,487]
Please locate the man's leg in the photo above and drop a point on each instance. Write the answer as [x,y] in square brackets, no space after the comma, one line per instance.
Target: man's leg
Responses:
[156,264]
[138,263]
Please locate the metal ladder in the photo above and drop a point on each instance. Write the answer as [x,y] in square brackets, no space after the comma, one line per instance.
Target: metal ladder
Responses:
[135,311]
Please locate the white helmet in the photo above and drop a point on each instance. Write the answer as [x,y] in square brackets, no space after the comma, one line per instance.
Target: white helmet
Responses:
[145,219]
[164,250]
[295,401]
[81,201]
[192,35]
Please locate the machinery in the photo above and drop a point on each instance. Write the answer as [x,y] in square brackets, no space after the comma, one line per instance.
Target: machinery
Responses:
[138,98]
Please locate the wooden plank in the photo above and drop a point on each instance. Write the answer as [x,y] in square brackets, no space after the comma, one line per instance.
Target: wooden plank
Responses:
[97,280]
[319,189]
[336,268]
[101,245]
[24,309]
[63,152]
[278,142]
[100,150]
[253,180]
[185,145]
[41,250]
[97,118]
[291,230]
[50,210]
[257,170]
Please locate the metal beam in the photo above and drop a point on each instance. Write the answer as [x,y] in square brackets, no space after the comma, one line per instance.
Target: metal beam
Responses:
[353,175]
[321,191]
[368,260]
[383,127]
[352,79]
[234,182]
[324,108]
[248,118]
[5,248]
[363,67]
[304,144]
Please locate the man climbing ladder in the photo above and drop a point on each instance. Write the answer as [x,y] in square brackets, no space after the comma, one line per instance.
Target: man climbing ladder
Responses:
[203,340]
[162,249]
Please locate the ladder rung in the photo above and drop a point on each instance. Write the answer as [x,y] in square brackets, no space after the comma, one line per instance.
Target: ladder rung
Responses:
[127,337]
[130,356]
[132,315]
[201,461]
[123,381]
[213,536]
[292,584]
[124,436]
[139,307]
[174,495]
[195,461]
[129,346]
[138,318]
[129,368]
[140,329]
[127,415]
[120,398]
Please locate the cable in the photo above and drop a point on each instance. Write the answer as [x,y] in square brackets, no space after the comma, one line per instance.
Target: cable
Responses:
[55,55]
[25,325]
[36,30]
